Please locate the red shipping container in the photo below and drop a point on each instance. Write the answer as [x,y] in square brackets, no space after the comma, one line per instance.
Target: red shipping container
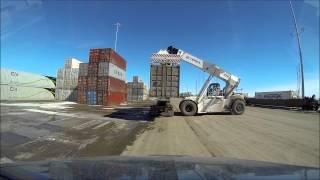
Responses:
[93,69]
[115,98]
[116,85]
[92,82]
[106,55]
[82,96]
[103,82]
[82,82]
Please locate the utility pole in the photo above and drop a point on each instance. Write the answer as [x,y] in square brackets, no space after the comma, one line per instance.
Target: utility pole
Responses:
[115,43]
[298,81]
[300,51]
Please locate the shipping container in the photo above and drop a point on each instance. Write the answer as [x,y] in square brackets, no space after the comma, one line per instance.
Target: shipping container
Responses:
[276,95]
[92,97]
[72,63]
[82,96]
[164,80]
[67,78]
[66,95]
[83,69]
[82,82]
[137,91]
[102,80]
[106,55]
[25,79]
[10,92]
[109,69]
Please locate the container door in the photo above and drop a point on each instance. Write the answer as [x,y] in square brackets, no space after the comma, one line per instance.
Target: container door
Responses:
[91,98]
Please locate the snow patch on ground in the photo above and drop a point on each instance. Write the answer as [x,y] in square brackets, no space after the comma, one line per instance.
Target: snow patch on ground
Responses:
[51,105]
[50,112]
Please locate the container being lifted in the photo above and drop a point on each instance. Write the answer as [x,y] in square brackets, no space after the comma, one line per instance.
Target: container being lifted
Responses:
[164,82]
[165,79]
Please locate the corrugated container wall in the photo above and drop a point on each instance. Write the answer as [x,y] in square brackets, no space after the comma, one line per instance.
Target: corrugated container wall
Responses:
[102,80]
[137,91]
[164,80]
[67,80]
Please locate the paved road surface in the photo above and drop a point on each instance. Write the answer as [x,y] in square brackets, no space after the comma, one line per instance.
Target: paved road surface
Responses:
[263,134]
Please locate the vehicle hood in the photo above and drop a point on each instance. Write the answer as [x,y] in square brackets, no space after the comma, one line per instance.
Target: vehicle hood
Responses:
[193,98]
[153,167]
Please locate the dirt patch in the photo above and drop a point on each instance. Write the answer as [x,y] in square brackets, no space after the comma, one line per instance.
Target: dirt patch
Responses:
[43,149]
[111,142]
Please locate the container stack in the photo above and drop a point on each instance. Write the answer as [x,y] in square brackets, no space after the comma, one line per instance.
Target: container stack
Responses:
[17,86]
[102,80]
[164,80]
[67,81]
[137,91]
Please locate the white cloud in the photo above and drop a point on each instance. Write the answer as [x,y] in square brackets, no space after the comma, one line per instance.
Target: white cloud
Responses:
[313,3]
[18,15]
[21,28]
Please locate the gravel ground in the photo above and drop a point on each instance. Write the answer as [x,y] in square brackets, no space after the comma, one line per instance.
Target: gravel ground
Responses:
[59,130]
[273,135]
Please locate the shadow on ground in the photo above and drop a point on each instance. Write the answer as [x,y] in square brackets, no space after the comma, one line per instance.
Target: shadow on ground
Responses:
[216,113]
[135,114]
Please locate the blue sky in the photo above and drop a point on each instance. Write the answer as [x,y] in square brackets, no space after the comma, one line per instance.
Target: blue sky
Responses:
[250,39]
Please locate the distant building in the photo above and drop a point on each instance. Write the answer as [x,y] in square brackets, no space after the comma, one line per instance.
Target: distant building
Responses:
[18,86]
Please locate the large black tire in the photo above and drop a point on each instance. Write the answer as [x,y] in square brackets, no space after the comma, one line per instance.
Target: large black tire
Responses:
[238,107]
[188,108]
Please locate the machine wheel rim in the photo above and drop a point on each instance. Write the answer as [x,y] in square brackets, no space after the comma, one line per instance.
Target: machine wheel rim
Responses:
[189,108]
[239,107]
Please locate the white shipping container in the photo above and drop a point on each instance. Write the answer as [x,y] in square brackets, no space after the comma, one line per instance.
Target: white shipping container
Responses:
[16,93]
[66,95]
[67,78]
[71,63]
[276,95]
[116,72]
[19,78]
[137,98]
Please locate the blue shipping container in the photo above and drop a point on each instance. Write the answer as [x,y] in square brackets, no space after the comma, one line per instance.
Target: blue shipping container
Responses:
[91,98]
